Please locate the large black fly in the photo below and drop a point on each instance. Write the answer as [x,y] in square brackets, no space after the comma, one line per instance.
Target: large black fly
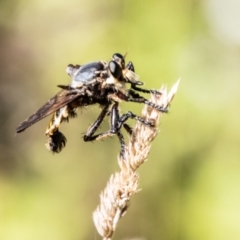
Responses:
[93,83]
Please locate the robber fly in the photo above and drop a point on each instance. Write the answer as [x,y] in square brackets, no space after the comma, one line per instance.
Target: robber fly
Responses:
[93,83]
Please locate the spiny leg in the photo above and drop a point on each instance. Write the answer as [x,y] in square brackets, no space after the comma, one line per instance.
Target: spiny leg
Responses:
[135,97]
[122,144]
[116,123]
[114,117]
[131,115]
[114,127]
[133,86]
[151,104]
[127,128]
[88,136]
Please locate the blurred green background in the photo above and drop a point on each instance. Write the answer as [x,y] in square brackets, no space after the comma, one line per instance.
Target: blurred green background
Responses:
[191,183]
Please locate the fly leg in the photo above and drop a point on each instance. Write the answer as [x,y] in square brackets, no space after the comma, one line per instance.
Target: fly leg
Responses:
[116,123]
[135,97]
[151,104]
[88,136]
[115,126]
[133,86]
[127,128]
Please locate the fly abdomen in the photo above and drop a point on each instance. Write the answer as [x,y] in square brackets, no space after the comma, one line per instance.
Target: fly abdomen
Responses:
[56,142]
[59,116]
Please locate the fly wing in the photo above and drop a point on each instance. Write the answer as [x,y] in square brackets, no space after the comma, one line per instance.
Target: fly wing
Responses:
[61,99]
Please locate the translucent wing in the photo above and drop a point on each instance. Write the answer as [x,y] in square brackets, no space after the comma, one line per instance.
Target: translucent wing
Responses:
[61,99]
[81,75]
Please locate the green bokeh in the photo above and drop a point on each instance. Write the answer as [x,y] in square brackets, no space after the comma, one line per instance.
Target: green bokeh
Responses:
[190,184]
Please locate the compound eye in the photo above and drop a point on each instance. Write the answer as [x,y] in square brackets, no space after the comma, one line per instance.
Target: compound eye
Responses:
[119,59]
[115,69]
[117,55]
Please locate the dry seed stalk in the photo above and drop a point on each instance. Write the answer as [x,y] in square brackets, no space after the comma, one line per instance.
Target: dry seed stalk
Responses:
[115,198]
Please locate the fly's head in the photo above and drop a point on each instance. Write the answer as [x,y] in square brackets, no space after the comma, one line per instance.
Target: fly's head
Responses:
[120,59]
[115,77]
[119,74]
